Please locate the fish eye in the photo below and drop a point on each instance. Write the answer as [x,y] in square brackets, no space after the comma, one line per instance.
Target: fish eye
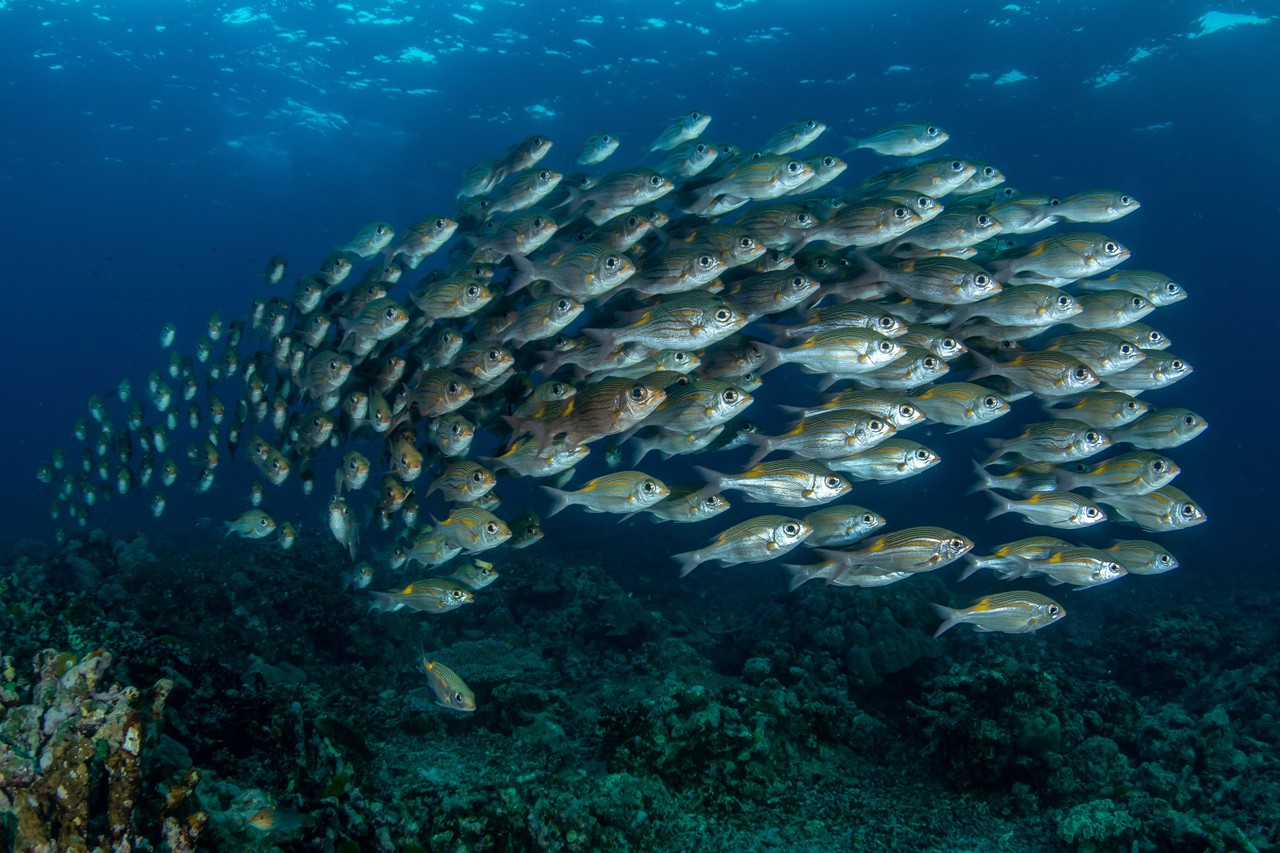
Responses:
[723,316]
[457,430]
[981,280]
[604,137]
[984,220]
[810,124]
[931,130]
[791,529]
[611,263]
[876,426]
[956,544]
[906,411]
[832,482]
[1064,301]
[793,167]
[695,116]
[538,142]
[680,357]
[1165,558]
[868,519]
[477,477]
[494,355]
[473,291]
[746,243]
[544,175]
[633,221]
[885,347]
[828,161]
[1172,287]
[922,455]
[333,365]
[1126,349]
[1080,373]
[900,213]
[453,388]
[700,148]
[1091,512]
[957,166]
[1136,302]
[804,219]
[648,487]
[637,392]
[656,181]
[275,464]
[491,528]
[1110,248]
[706,261]
[1188,510]
[930,363]
[989,172]
[390,314]
[797,282]
[1189,420]
[1158,466]
[730,395]
[563,305]
[1178,364]
[1124,199]
[1092,437]
[538,222]
[459,699]
[886,322]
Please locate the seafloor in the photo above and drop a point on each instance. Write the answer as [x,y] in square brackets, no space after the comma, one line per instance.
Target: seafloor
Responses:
[618,710]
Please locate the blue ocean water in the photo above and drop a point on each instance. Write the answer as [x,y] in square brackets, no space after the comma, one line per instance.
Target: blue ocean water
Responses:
[154,156]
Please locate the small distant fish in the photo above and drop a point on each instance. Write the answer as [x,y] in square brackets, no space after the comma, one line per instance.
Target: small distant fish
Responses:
[596,149]
[753,541]
[254,524]
[689,126]
[905,139]
[1006,612]
[274,273]
[619,492]
[450,690]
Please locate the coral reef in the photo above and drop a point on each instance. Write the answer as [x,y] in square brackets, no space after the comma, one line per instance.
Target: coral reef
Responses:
[615,711]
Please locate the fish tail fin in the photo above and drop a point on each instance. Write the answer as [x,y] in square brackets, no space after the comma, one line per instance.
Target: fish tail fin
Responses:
[997,451]
[950,618]
[763,445]
[974,565]
[873,271]
[715,481]
[1003,505]
[526,272]
[688,561]
[985,366]
[642,450]
[802,574]
[853,143]
[827,380]
[606,337]
[772,357]
[983,481]
[559,498]
[227,525]
[383,602]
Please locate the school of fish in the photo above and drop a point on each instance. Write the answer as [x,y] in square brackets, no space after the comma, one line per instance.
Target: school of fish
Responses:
[640,311]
